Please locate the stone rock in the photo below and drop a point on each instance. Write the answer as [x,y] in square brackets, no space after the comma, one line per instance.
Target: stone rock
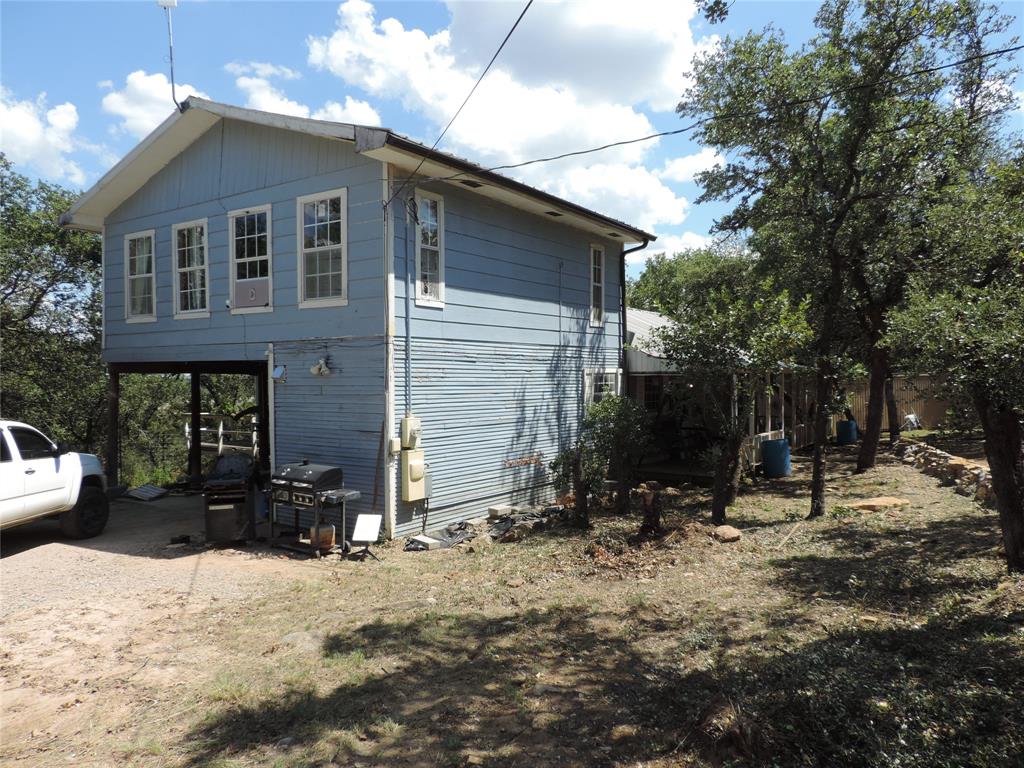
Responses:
[495,513]
[286,742]
[727,533]
[514,534]
[879,503]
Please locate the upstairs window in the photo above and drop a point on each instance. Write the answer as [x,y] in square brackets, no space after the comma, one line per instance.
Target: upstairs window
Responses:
[596,285]
[140,277]
[250,236]
[430,249]
[322,249]
[191,293]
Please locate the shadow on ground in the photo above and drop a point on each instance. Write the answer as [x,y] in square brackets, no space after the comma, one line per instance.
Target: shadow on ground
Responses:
[568,687]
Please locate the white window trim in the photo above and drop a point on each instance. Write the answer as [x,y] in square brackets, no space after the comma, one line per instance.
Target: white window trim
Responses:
[128,316]
[422,301]
[270,259]
[332,301]
[192,314]
[590,283]
[588,382]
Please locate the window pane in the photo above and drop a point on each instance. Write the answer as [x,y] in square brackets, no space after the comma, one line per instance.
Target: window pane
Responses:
[334,233]
[240,226]
[261,246]
[310,264]
[31,444]
[336,284]
[308,214]
[309,237]
[264,267]
[335,260]
[311,288]
[335,208]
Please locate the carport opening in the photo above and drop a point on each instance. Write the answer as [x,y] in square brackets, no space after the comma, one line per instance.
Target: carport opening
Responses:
[171,426]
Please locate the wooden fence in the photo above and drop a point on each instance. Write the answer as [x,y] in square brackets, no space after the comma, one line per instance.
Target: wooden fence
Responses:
[913,395]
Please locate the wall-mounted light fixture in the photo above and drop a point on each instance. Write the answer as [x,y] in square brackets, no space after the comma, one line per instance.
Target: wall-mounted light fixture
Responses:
[280,373]
[320,368]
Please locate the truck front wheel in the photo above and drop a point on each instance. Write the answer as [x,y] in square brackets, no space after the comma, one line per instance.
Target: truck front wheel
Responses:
[89,516]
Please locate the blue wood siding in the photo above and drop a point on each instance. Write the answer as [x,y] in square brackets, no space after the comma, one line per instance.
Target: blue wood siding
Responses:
[336,419]
[497,373]
[237,165]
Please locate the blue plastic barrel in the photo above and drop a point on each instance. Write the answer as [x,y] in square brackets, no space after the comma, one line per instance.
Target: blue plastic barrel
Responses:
[775,458]
[846,432]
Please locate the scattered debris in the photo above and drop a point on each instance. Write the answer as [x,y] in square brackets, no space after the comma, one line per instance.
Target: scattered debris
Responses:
[452,536]
[147,492]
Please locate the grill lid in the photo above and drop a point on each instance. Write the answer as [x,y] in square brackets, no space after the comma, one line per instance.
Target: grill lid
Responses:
[306,475]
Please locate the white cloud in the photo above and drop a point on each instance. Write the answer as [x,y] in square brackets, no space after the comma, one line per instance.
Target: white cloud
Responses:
[525,109]
[687,167]
[263,95]
[41,138]
[629,193]
[105,84]
[145,101]
[600,49]
[261,69]
[352,111]
[672,244]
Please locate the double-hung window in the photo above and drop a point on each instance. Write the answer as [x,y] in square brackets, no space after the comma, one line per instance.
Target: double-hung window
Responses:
[251,266]
[596,285]
[599,383]
[430,249]
[323,257]
[140,277]
[191,281]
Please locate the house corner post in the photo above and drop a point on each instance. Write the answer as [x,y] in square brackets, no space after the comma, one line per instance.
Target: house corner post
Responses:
[195,449]
[113,426]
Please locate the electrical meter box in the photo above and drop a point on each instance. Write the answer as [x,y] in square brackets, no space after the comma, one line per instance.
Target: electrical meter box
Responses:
[414,487]
[411,430]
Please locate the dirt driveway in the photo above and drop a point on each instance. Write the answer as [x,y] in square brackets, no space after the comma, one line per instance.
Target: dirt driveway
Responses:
[83,620]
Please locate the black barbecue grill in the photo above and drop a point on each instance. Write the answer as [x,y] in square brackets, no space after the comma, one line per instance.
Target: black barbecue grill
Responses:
[310,490]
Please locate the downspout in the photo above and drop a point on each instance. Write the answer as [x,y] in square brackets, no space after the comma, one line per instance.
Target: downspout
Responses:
[622,303]
[408,313]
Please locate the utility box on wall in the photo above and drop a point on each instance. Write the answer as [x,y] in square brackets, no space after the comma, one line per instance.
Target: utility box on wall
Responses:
[413,476]
[411,431]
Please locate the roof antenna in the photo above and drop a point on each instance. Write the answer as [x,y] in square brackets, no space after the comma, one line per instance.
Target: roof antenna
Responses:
[167,5]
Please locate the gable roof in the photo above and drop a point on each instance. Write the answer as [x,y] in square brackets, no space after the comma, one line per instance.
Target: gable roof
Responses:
[198,115]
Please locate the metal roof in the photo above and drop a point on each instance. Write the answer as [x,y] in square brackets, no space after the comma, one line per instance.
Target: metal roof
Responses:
[198,115]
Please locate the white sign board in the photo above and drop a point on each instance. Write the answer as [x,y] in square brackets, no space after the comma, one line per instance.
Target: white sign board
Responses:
[367,528]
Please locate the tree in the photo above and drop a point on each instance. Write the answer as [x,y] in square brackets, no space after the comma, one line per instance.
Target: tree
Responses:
[619,432]
[963,323]
[50,313]
[737,330]
[818,140]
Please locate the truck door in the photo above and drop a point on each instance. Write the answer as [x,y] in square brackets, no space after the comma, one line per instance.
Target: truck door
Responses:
[46,485]
[12,482]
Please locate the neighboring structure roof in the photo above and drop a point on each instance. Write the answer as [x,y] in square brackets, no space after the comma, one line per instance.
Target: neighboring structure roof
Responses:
[643,355]
[197,116]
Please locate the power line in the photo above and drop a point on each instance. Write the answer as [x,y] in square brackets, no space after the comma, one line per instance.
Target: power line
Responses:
[728,116]
[464,101]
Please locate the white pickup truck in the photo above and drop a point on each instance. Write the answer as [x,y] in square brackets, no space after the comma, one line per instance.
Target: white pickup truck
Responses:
[40,479]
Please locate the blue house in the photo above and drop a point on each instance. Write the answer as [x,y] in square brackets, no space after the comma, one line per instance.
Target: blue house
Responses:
[363,278]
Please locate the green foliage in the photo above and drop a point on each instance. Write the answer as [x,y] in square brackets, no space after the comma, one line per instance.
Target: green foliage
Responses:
[668,281]
[613,437]
[618,429]
[50,312]
[964,321]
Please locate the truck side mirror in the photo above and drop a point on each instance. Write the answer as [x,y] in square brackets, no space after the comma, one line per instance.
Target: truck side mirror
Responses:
[62,448]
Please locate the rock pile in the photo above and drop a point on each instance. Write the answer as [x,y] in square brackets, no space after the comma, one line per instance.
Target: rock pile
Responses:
[967,477]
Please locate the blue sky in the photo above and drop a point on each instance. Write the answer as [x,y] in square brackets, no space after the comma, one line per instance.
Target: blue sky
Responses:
[84,81]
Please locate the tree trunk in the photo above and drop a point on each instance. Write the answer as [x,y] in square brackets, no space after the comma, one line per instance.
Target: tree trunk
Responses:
[879,362]
[894,412]
[824,396]
[580,491]
[1004,447]
[727,478]
[651,525]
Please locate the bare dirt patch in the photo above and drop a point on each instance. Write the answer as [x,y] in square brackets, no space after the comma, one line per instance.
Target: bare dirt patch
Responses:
[865,638]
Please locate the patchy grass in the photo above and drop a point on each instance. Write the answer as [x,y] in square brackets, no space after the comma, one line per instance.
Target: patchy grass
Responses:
[863,638]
